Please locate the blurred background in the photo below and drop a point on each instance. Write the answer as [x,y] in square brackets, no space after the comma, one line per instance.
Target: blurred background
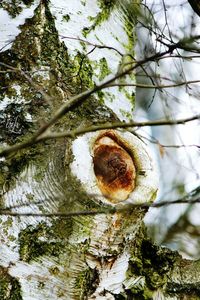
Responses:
[176,148]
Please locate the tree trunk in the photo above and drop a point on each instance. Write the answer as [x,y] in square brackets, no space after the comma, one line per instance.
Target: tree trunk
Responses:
[51,51]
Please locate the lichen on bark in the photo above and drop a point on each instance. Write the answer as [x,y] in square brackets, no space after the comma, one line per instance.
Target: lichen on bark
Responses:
[63,76]
[9,286]
[77,257]
[14,8]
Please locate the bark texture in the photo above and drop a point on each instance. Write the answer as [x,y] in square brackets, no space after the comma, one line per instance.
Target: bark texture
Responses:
[107,256]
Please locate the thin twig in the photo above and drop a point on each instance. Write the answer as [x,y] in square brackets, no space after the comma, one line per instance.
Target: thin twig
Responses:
[93,128]
[149,86]
[153,140]
[91,44]
[112,210]
[72,133]
[78,99]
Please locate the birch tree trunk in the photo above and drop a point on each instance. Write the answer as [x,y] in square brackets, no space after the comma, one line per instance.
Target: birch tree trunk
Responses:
[51,51]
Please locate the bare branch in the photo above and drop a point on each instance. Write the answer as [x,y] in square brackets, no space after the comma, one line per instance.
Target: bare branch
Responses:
[113,125]
[108,210]
[72,133]
[77,99]
[184,44]
[148,86]
[153,140]
[91,44]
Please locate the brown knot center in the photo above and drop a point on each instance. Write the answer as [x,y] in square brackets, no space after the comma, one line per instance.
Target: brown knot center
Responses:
[114,169]
[109,163]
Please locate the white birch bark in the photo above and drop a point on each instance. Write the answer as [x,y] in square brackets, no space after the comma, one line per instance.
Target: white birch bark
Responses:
[67,47]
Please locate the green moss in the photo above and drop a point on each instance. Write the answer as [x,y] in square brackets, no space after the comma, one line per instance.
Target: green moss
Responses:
[131,97]
[66,17]
[71,76]
[36,241]
[54,270]
[11,238]
[84,283]
[8,222]
[129,28]
[151,262]
[14,8]
[106,7]
[131,10]
[62,229]
[104,69]
[184,291]
[101,96]
[126,114]
[10,288]
[24,55]
[81,71]
[156,263]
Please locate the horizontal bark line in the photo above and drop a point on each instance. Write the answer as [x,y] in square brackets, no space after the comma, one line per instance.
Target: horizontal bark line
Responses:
[109,210]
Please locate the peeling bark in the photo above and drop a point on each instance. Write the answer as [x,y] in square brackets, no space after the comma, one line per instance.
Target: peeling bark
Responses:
[87,257]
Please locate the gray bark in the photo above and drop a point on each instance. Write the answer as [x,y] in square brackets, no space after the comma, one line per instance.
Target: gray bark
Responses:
[106,256]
